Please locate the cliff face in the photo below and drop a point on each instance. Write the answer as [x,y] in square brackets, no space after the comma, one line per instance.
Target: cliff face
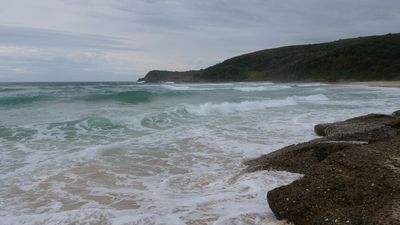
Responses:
[358,59]
[171,76]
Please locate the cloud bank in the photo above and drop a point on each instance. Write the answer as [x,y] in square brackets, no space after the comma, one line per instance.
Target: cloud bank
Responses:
[87,40]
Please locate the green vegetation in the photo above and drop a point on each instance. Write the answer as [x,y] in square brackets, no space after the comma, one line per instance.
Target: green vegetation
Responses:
[358,59]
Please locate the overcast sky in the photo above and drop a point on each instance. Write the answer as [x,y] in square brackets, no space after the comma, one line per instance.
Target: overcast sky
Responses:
[104,40]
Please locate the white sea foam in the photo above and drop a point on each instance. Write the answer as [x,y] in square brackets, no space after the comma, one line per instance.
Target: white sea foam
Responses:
[188,88]
[318,97]
[90,216]
[176,88]
[231,107]
[262,88]
[208,87]
[309,84]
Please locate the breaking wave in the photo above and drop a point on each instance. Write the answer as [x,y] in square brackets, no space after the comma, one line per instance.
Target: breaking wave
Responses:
[15,133]
[126,97]
[226,87]
[182,114]
[9,89]
[189,88]
[69,129]
[167,119]
[65,129]
[262,88]
[232,107]
[18,100]
[318,97]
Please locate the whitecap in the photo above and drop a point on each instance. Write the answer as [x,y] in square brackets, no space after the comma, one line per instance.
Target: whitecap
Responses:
[176,88]
[262,88]
[309,84]
[231,107]
[187,88]
[251,89]
[318,97]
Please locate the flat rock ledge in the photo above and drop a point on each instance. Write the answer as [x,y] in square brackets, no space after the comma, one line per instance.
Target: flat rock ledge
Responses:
[351,174]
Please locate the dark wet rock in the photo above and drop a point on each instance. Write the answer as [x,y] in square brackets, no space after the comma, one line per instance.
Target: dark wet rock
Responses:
[397,113]
[358,185]
[395,124]
[298,158]
[351,175]
[371,127]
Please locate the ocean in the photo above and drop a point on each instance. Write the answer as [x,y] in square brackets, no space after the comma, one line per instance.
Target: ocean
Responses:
[129,153]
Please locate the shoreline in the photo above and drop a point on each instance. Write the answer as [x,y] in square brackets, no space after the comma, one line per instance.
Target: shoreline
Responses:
[388,84]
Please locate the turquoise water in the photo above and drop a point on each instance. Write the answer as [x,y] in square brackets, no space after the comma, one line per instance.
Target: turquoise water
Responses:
[128,153]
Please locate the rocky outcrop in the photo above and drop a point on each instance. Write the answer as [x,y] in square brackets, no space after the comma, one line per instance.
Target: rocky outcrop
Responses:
[364,128]
[357,185]
[298,158]
[156,76]
[351,175]
[396,114]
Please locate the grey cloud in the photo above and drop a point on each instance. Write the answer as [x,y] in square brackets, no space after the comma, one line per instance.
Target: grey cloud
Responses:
[271,14]
[50,38]
[56,69]
[180,34]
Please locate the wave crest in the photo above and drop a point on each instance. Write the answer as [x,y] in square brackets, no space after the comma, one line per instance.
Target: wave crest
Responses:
[179,115]
[262,88]
[16,133]
[225,87]
[70,129]
[167,119]
[318,97]
[230,107]
[19,100]
[126,97]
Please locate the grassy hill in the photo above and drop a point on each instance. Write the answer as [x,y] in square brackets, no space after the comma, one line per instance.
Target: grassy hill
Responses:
[357,59]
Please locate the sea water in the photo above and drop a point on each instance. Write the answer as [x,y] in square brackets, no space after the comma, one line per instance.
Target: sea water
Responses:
[128,153]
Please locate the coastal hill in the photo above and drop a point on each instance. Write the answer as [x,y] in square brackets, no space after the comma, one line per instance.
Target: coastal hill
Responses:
[357,59]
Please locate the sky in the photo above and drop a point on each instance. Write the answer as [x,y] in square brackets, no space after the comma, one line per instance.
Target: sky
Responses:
[121,40]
